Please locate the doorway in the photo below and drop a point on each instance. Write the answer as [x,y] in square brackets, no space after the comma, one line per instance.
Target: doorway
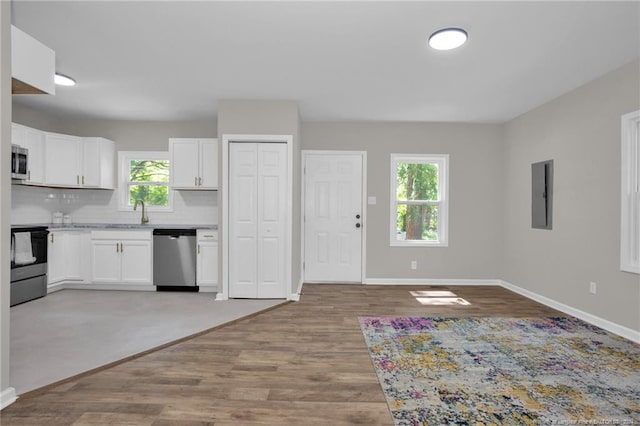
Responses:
[256,216]
[334,216]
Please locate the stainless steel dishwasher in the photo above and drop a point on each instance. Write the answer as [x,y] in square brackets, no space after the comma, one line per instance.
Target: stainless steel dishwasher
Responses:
[174,259]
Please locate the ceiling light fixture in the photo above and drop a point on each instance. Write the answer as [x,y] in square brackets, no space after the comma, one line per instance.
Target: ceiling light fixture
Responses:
[63,80]
[448,38]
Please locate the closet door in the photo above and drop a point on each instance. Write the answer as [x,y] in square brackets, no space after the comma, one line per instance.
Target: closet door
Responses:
[257,220]
[243,228]
[272,179]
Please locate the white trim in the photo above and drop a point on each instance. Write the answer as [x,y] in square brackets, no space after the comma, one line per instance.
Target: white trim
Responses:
[630,193]
[74,285]
[618,329]
[443,203]
[226,140]
[296,296]
[431,281]
[365,213]
[610,326]
[7,397]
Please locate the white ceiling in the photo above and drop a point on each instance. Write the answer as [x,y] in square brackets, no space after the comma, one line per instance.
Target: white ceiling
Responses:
[162,60]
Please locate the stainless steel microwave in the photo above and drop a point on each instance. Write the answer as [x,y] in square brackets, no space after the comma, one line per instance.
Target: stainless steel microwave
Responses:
[19,162]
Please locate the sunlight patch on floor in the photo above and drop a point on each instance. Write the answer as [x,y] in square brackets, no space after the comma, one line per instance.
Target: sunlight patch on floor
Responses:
[438,298]
[442,301]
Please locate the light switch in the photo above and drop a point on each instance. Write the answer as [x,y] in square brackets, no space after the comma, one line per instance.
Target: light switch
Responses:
[371,201]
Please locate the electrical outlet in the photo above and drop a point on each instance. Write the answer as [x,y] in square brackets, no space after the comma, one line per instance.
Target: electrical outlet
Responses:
[414,264]
[592,287]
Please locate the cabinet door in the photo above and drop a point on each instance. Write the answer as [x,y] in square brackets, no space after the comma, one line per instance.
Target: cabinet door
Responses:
[75,255]
[91,163]
[64,156]
[55,257]
[105,261]
[207,270]
[208,164]
[98,167]
[136,262]
[184,163]
[34,142]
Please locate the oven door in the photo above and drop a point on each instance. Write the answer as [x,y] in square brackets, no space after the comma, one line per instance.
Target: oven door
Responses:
[38,248]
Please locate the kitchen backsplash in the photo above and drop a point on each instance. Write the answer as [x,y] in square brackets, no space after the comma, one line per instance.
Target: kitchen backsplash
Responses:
[33,204]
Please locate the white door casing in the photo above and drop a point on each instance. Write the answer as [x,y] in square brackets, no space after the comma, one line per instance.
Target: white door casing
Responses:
[257,220]
[333,216]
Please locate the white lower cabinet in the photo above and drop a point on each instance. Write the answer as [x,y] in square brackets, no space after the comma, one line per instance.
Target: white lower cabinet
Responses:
[207,260]
[68,252]
[121,257]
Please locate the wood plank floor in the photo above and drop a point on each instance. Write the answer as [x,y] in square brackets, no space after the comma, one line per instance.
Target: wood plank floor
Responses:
[302,363]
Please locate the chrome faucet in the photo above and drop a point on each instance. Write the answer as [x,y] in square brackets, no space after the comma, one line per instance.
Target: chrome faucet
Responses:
[143,219]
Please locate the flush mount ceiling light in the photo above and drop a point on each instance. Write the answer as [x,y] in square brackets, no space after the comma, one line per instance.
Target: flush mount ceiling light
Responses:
[448,38]
[63,80]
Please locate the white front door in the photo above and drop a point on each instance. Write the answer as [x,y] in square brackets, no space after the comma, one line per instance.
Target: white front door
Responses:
[333,217]
[257,220]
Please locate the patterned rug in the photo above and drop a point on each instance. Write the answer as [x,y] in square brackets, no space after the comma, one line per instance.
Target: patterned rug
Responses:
[469,371]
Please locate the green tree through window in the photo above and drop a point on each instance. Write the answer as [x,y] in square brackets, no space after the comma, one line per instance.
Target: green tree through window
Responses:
[417,183]
[418,199]
[149,182]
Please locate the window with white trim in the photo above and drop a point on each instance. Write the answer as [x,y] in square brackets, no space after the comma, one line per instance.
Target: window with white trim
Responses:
[419,200]
[144,176]
[630,196]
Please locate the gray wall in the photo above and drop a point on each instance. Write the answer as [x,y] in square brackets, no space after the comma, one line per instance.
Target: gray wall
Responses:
[279,117]
[127,135]
[5,189]
[580,131]
[475,201]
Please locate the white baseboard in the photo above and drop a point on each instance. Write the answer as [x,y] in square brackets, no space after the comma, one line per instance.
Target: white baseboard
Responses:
[614,328]
[429,281]
[296,296]
[610,326]
[63,285]
[220,297]
[7,397]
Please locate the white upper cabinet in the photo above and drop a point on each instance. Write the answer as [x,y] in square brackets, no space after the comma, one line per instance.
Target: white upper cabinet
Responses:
[63,165]
[32,64]
[194,163]
[67,161]
[98,163]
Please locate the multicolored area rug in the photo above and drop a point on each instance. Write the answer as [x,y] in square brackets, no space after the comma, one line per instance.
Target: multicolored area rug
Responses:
[468,371]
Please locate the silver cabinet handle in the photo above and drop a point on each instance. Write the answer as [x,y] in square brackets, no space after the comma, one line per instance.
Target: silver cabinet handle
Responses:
[195,181]
[198,248]
[77,180]
[200,181]
[83,180]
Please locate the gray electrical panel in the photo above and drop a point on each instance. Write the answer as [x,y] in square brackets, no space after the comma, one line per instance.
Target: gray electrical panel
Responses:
[542,194]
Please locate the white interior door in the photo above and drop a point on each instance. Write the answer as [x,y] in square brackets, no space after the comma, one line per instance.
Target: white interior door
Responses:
[243,172]
[333,217]
[257,220]
[272,187]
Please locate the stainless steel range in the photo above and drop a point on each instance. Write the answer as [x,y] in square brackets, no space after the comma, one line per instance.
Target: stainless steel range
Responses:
[28,263]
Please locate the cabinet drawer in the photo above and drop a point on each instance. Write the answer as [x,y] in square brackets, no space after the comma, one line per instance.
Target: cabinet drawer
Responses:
[121,235]
[207,234]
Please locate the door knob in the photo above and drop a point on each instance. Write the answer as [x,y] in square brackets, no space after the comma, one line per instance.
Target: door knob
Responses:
[357,225]
[357,216]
